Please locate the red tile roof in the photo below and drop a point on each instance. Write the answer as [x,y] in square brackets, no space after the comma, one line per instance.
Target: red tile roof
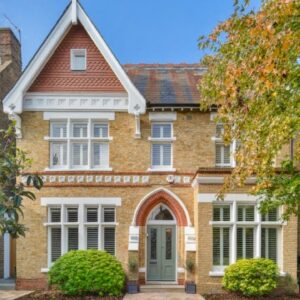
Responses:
[167,84]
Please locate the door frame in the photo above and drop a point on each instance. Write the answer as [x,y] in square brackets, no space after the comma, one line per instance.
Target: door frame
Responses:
[162,222]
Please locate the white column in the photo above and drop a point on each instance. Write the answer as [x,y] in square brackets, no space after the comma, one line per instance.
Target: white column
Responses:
[64,238]
[137,134]
[6,241]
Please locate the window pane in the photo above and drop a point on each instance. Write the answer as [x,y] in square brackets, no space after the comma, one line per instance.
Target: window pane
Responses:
[58,130]
[161,130]
[156,150]
[153,243]
[100,130]
[54,215]
[92,237]
[92,214]
[166,154]
[222,154]
[269,243]
[221,244]
[72,238]
[245,243]
[226,150]
[72,214]
[270,216]
[226,246]
[219,130]
[168,232]
[216,247]
[109,240]
[245,213]
[108,214]
[58,154]
[221,213]
[80,130]
[78,59]
[55,243]
[100,155]
[79,152]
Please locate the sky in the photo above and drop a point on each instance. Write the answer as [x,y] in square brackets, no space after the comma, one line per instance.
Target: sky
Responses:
[138,31]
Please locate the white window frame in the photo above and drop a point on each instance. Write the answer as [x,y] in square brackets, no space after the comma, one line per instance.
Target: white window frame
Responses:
[161,141]
[219,141]
[257,224]
[82,225]
[73,53]
[70,140]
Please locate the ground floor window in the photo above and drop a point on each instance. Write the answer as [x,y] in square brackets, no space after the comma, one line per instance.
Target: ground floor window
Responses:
[240,231]
[80,227]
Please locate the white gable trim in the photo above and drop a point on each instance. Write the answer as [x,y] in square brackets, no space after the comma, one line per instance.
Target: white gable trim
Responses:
[14,100]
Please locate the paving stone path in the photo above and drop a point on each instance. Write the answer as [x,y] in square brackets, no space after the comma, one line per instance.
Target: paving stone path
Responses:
[12,295]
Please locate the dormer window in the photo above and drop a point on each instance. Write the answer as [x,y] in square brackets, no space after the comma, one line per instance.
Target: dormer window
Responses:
[78,59]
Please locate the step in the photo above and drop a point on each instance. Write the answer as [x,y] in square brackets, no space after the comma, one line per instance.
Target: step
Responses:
[161,288]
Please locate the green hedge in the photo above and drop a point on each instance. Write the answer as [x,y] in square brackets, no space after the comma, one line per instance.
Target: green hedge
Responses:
[84,272]
[251,277]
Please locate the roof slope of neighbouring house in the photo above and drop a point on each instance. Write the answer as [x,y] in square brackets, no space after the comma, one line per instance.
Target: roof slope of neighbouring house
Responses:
[167,84]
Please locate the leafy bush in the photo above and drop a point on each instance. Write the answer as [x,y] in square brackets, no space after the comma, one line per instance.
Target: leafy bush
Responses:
[88,272]
[251,277]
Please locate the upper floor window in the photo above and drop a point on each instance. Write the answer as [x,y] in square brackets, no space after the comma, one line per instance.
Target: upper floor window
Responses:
[79,144]
[78,59]
[162,147]
[222,151]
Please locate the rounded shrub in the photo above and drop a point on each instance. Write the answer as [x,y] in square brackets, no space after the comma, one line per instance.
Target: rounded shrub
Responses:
[251,277]
[84,272]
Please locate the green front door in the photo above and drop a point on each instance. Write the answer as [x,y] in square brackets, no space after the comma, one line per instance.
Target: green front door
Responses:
[161,252]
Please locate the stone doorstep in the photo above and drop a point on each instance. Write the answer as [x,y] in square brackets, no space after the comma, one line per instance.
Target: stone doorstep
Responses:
[13,295]
[163,296]
[162,288]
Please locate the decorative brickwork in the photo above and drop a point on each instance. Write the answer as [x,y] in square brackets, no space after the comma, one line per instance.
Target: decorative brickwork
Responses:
[58,77]
[164,198]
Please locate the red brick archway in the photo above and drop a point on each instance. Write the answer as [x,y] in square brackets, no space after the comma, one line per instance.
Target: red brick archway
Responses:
[161,197]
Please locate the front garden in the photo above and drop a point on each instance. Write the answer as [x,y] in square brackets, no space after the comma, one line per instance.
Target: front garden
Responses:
[95,275]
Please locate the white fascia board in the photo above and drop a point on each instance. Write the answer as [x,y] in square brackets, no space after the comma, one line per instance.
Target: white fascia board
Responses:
[77,201]
[79,115]
[212,197]
[15,96]
[162,116]
[137,103]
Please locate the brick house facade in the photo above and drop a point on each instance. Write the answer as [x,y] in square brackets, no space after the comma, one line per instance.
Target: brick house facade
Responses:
[131,166]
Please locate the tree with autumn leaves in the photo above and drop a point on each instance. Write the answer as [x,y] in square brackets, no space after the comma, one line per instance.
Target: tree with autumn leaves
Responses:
[253,79]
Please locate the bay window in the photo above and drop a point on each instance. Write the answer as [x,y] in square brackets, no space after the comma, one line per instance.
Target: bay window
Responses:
[80,227]
[239,231]
[79,144]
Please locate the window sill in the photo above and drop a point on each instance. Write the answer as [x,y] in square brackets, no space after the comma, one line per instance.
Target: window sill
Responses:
[216,139]
[161,170]
[73,139]
[216,273]
[163,140]
[44,270]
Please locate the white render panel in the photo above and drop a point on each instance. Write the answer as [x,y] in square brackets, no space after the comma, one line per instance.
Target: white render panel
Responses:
[206,198]
[162,116]
[88,201]
[79,115]
[74,102]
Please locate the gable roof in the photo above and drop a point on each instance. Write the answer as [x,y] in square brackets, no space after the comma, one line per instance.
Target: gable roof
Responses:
[13,102]
[167,84]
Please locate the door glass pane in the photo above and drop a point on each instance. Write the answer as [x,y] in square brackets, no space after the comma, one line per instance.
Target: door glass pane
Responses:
[153,243]
[169,243]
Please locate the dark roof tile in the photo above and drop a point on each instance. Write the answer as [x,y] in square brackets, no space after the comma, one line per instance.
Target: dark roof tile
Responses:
[167,83]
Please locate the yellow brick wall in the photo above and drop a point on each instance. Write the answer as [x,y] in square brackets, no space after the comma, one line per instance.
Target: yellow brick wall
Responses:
[193,147]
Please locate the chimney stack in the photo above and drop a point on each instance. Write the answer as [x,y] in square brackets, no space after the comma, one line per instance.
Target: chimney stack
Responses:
[10,66]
